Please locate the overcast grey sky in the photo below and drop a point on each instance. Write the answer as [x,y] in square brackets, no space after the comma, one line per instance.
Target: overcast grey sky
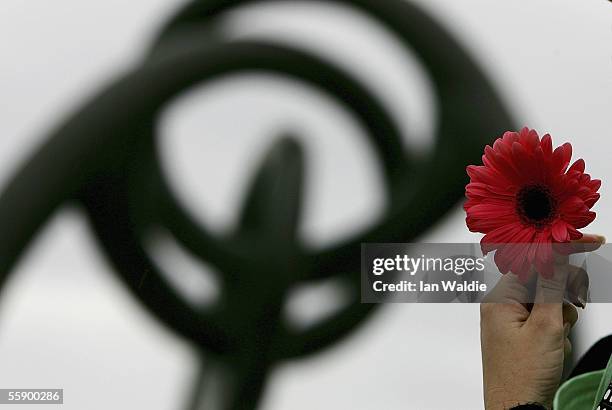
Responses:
[67,323]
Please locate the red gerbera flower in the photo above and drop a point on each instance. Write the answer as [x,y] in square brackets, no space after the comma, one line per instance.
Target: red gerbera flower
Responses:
[524,199]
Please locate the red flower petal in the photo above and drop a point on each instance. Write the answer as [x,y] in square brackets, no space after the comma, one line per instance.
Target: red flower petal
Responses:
[559,231]
[525,197]
[547,145]
[577,166]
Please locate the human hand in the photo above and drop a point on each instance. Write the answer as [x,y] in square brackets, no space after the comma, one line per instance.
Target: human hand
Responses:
[523,346]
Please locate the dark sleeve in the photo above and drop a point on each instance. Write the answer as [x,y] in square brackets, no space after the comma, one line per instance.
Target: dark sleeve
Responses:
[530,406]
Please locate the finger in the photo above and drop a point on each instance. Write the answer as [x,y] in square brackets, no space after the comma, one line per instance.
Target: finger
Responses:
[567,347]
[578,281]
[588,243]
[570,316]
[571,313]
[577,286]
[561,259]
[508,289]
[547,309]
[591,238]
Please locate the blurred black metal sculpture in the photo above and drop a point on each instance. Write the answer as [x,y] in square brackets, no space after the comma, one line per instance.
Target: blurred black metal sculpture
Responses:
[105,157]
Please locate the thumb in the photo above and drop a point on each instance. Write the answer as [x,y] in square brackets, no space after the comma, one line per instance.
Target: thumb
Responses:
[548,303]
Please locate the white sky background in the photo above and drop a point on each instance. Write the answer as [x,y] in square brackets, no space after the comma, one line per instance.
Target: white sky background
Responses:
[67,323]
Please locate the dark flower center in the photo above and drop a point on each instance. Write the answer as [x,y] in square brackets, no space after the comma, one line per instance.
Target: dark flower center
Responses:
[536,205]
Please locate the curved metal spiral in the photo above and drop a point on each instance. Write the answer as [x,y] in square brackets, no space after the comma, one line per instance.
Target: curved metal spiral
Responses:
[105,157]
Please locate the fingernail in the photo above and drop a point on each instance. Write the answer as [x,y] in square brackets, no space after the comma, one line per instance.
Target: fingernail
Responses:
[601,239]
[578,291]
[583,295]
